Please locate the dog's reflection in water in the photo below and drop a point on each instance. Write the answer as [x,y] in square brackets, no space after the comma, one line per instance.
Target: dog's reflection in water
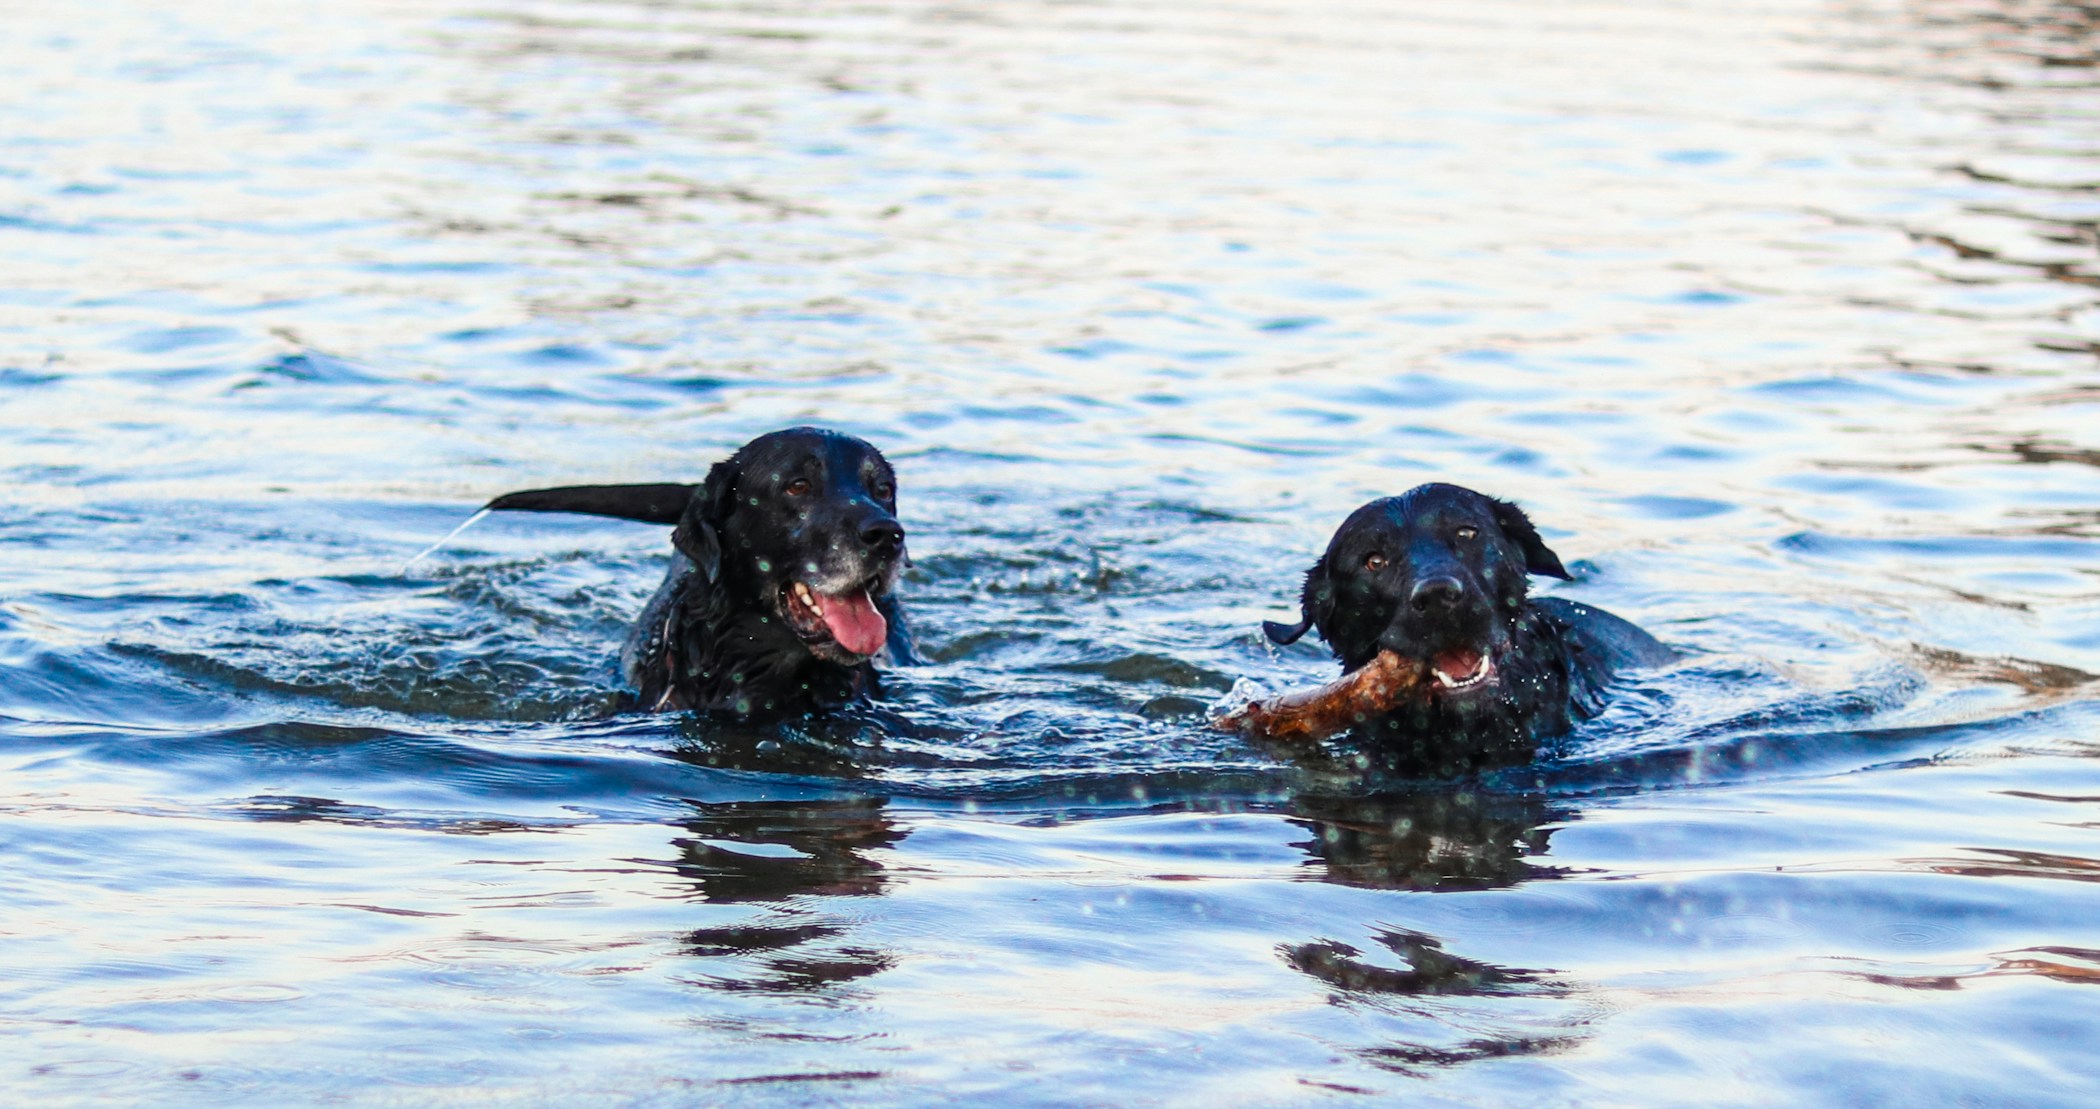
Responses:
[778,853]
[1452,841]
[1448,839]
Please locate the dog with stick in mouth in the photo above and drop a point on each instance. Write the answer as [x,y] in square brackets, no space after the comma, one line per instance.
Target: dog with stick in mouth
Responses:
[1449,663]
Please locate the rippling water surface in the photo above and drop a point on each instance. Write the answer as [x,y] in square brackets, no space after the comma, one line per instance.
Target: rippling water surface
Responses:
[1780,317]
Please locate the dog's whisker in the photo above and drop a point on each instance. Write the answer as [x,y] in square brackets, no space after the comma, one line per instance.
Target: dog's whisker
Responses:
[439,545]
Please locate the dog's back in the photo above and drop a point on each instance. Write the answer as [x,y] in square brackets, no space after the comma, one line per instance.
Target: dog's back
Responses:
[1597,646]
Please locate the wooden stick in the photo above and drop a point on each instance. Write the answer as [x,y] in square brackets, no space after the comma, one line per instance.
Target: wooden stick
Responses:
[1311,715]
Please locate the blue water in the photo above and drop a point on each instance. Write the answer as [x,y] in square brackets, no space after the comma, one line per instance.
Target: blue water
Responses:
[1781,319]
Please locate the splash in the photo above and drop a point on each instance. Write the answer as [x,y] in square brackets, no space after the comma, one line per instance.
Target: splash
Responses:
[435,547]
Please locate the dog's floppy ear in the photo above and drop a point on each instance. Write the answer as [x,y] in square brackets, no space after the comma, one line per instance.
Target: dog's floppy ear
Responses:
[649,504]
[699,532]
[1538,558]
[1314,605]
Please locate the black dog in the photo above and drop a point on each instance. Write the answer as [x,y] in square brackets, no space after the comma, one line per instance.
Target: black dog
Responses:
[1437,576]
[779,593]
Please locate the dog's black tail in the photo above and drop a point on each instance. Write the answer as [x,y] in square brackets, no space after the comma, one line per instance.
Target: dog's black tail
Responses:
[648,504]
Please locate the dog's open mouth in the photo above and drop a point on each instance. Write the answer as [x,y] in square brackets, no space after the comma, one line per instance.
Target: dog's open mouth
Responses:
[849,619]
[1461,668]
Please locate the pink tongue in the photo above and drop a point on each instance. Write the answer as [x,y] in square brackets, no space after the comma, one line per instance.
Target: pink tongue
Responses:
[854,623]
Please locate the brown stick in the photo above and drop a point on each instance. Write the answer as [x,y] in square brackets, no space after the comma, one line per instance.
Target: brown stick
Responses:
[1311,715]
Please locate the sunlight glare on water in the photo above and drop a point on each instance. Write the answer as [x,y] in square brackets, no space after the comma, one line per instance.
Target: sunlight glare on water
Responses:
[1780,318]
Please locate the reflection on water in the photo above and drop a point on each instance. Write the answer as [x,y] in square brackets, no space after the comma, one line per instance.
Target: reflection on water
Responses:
[1450,840]
[774,850]
[1456,839]
[1780,320]
[779,853]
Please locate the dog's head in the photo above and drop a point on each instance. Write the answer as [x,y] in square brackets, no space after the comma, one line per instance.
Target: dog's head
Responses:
[802,522]
[1435,575]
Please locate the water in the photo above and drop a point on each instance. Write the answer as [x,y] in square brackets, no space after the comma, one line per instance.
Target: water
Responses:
[1780,317]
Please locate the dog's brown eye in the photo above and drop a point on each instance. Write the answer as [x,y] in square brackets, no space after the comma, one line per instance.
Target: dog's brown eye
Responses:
[798,487]
[882,490]
[1467,533]
[1374,561]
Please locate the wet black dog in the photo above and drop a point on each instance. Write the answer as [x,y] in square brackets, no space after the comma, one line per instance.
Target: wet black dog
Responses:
[1438,576]
[779,593]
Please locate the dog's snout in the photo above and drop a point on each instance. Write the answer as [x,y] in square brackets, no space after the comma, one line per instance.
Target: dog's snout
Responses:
[1436,593]
[882,534]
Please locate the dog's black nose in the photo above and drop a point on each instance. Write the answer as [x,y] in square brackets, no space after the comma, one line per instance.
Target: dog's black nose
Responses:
[882,535]
[1436,593]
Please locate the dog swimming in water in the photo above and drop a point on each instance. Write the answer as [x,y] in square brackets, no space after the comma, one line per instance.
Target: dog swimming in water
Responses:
[1450,664]
[779,596]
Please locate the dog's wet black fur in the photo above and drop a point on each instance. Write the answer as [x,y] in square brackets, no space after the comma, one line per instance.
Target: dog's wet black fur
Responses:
[1439,576]
[779,594]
